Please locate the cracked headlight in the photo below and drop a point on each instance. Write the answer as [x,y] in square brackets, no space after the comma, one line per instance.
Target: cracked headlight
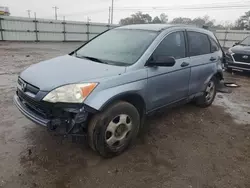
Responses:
[72,93]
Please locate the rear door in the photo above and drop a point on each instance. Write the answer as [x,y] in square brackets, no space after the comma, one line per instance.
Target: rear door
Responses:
[202,61]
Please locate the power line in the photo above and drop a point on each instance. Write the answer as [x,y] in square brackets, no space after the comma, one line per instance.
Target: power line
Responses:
[86,13]
[55,7]
[236,3]
[192,7]
[100,10]
[183,8]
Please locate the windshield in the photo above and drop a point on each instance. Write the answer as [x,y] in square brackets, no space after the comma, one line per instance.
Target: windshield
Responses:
[246,42]
[118,46]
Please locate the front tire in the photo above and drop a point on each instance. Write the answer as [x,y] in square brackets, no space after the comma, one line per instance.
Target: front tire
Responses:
[208,95]
[113,130]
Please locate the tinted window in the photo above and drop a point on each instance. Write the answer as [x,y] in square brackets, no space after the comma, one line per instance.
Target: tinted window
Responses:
[118,46]
[173,45]
[198,44]
[214,45]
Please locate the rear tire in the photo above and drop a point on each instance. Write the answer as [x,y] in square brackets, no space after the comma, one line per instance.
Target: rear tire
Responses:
[111,132]
[208,95]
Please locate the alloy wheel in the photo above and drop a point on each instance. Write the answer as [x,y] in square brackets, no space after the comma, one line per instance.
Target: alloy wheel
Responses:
[118,131]
[210,91]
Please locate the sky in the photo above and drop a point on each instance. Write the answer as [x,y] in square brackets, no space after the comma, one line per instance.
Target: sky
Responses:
[98,10]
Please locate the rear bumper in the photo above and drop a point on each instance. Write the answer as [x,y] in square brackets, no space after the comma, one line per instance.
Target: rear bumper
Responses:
[30,114]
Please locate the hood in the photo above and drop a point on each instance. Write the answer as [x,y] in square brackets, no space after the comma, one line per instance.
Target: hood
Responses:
[239,49]
[50,74]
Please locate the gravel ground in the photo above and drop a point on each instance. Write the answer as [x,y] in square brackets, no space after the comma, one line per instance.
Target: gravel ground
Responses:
[183,147]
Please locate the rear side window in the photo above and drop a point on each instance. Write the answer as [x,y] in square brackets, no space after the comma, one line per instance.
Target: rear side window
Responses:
[173,45]
[198,43]
[214,45]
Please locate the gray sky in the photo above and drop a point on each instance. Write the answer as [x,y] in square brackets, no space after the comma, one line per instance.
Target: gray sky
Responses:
[97,10]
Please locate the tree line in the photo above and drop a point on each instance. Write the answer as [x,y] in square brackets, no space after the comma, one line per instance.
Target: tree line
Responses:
[140,18]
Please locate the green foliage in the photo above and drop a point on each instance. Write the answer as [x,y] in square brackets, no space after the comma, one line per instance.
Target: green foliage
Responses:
[181,20]
[156,20]
[164,18]
[140,18]
[243,21]
[199,21]
[137,18]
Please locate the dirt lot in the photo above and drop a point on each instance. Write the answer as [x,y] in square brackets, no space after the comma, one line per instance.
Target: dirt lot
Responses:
[185,147]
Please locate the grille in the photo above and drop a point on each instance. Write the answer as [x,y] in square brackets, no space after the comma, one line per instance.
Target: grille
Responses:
[38,107]
[239,58]
[30,88]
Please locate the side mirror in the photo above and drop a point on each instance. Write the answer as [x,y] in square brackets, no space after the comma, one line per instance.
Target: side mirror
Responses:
[236,43]
[163,61]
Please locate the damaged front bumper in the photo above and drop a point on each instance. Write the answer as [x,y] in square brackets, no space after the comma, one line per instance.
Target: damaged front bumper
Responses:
[29,113]
[72,118]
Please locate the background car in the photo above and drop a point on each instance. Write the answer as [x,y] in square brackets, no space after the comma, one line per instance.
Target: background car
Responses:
[238,57]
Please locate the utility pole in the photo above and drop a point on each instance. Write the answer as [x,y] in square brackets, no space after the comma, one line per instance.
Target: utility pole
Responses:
[29,12]
[109,15]
[55,7]
[64,29]
[36,31]
[112,11]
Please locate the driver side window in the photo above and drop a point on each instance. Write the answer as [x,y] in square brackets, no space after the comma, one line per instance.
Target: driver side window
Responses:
[173,45]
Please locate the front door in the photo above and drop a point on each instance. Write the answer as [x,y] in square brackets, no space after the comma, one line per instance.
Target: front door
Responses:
[169,84]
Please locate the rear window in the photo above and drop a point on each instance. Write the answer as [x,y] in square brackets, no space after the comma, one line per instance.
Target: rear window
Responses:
[198,43]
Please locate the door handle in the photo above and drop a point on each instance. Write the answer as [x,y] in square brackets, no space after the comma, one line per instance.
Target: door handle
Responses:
[184,64]
[212,59]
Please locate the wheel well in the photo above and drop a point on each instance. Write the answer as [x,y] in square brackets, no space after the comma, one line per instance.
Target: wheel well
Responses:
[137,101]
[134,99]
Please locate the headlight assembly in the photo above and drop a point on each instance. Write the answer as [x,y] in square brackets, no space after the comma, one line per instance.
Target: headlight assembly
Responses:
[72,93]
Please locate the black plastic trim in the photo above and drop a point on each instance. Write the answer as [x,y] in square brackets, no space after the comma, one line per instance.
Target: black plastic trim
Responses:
[29,114]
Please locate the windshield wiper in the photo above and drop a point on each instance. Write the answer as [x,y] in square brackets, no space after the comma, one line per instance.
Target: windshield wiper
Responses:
[94,59]
[101,61]
[91,58]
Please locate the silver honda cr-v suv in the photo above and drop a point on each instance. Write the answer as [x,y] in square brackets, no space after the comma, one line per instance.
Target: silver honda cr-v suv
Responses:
[105,88]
